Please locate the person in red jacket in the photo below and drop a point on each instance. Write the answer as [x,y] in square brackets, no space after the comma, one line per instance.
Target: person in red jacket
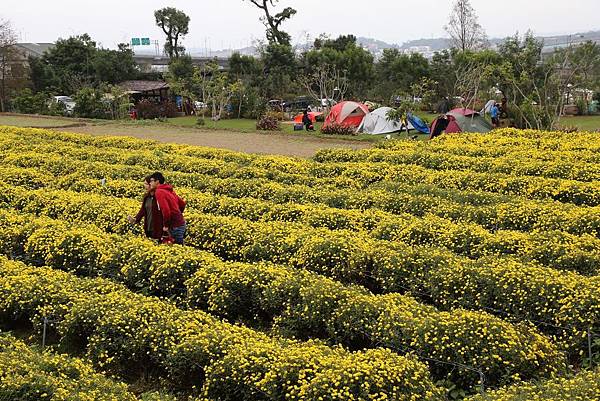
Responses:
[171,207]
[151,213]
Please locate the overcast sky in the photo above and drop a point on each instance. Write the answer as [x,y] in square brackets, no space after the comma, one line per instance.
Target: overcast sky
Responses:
[234,23]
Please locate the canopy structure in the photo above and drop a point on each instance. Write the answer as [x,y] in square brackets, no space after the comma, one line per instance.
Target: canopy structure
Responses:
[311,114]
[462,120]
[376,123]
[347,113]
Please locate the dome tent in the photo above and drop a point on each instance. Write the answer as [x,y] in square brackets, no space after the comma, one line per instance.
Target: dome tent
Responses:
[347,113]
[311,114]
[463,120]
[376,123]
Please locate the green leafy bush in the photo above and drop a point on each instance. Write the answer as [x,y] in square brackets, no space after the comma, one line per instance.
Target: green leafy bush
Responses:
[27,102]
[89,104]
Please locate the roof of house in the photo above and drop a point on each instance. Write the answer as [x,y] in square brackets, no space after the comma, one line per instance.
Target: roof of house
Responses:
[143,86]
[35,49]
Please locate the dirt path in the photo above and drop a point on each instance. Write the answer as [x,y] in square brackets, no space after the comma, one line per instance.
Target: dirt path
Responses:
[279,144]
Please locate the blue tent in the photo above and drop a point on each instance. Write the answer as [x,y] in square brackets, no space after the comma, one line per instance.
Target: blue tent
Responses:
[418,123]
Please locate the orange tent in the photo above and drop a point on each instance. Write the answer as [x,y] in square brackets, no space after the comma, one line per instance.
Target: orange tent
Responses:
[311,114]
[347,113]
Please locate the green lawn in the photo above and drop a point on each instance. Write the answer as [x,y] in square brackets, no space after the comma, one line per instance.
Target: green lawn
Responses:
[37,122]
[249,125]
[583,123]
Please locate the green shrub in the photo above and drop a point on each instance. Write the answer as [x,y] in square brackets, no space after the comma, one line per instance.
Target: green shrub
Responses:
[89,104]
[27,102]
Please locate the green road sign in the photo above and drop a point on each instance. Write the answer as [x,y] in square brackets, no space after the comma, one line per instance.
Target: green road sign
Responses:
[145,41]
[135,41]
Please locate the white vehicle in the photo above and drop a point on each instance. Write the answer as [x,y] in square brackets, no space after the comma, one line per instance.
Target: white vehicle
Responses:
[328,102]
[67,102]
[200,105]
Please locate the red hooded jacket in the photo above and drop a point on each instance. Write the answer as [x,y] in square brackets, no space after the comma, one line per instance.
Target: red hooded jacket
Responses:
[168,198]
[170,205]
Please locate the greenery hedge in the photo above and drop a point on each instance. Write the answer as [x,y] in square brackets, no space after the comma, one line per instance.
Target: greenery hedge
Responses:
[547,297]
[125,332]
[295,303]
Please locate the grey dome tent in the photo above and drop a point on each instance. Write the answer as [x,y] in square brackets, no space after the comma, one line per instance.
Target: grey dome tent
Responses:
[377,123]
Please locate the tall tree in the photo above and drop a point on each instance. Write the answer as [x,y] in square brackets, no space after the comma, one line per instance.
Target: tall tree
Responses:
[175,24]
[396,73]
[273,21]
[464,29]
[76,62]
[348,58]
[249,71]
[7,40]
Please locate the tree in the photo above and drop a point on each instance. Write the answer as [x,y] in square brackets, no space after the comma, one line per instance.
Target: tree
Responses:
[76,62]
[217,89]
[249,71]
[354,62]
[181,78]
[89,103]
[175,25]
[7,40]
[114,66]
[464,29]
[538,88]
[273,22]
[279,69]
[397,72]
[326,83]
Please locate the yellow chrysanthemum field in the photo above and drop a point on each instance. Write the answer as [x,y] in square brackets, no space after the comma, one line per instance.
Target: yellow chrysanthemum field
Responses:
[409,271]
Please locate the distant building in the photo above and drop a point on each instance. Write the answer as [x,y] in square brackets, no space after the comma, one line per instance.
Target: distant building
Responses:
[157,91]
[153,63]
[424,51]
[33,49]
[18,62]
[15,72]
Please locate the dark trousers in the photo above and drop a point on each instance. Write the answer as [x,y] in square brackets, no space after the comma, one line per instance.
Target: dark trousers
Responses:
[178,234]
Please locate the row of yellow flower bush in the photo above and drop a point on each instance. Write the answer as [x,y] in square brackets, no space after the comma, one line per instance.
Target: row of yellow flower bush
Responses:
[583,387]
[28,374]
[439,156]
[493,211]
[36,135]
[569,191]
[547,144]
[125,332]
[510,164]
[515,290]
[418,151]
[552,248]
[296,303]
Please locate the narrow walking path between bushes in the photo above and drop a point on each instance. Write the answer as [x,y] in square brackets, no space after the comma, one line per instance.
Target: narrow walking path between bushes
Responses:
[276,143]
[280,143]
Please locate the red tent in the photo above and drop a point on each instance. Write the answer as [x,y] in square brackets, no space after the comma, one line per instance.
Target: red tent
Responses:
[347,113]
[462,120]
[311,114]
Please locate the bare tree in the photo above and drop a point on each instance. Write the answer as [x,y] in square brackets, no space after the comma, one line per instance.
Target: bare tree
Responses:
[464,29]
[327,82]
[469,81]
[273,21]
[8,39]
